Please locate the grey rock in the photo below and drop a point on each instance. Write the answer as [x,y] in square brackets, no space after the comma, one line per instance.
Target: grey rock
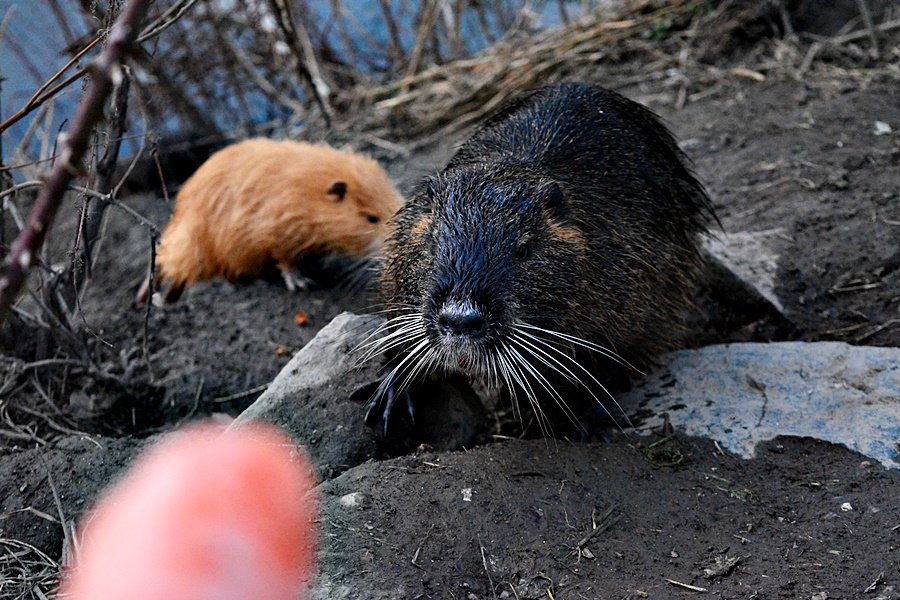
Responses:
[743,394]
[753,258]
[311,399]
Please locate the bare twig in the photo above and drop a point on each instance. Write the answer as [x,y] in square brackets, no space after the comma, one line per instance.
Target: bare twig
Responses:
[426,25]
[145,327]
[858,35]
[686,586]
[165,20]
[608,519]
[298,41]
[107,72]
[395,50]
[487,571]
[870,27]
[71,282]
[239,395]
[88,192]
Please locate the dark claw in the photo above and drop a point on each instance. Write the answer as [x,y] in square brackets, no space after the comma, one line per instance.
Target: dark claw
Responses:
[367,394]
[382,406]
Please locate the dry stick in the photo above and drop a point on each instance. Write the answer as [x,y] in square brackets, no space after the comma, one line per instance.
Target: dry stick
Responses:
[321,89]
[579,39]
[435,38]
[107,71]
[302,51]
[870,27]
[346,39]
[81,265]
[686,586]
[244,394]
[452,14]
[145,329]
[48,134]
[6,179]
[428,18]
[264,84]
[26,139]
[487,571]
[395,51]
[62,19]
[563,12]
[858,35]
[164,22]
[606,521]
[238,92]
[196,115]
[842,39]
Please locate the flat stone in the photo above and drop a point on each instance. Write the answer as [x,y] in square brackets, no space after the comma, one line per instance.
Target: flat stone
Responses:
[743,394]
[312,400]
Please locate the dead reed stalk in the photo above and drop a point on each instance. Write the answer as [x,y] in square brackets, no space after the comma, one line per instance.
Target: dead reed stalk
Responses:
[107,71]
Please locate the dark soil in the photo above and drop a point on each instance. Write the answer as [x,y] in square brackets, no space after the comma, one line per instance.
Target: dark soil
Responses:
[801,156]
[805,158]
[772,527]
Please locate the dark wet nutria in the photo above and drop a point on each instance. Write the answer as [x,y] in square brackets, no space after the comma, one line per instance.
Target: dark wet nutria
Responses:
[560,238]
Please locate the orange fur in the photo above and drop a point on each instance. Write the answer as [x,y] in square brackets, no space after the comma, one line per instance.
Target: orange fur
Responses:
[261,202]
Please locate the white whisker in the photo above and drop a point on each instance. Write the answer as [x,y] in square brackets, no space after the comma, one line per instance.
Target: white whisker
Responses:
[587,372]
[602,350]
[543,422]
[544,383]
[396,371]
[505,369]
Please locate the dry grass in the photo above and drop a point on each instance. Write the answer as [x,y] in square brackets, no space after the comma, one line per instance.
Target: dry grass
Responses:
[26,573]
[446,98]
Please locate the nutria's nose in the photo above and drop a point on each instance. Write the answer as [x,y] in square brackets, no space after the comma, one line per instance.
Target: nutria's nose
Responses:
[461,319]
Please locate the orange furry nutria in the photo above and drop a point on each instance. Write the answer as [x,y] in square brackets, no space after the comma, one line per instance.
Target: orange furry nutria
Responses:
[261,202]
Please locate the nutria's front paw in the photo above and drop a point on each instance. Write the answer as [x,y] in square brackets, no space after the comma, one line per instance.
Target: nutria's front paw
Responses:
[293,279]
[387,406]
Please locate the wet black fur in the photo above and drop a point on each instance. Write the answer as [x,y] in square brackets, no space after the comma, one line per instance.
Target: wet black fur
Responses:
[584,159]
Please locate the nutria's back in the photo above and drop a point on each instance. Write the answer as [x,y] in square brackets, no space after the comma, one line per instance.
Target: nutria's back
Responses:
[569,220]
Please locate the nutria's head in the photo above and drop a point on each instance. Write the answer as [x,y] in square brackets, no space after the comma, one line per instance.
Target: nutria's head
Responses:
[357,201]
[477,258]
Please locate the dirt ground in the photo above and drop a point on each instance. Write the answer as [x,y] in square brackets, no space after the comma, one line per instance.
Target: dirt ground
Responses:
[801,156]
[619,520]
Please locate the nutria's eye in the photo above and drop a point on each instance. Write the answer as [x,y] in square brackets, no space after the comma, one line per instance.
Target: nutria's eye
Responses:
[523,251]
[372,219]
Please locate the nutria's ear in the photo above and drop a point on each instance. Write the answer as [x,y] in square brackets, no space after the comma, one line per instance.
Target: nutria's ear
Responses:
[554,198]
[337,191]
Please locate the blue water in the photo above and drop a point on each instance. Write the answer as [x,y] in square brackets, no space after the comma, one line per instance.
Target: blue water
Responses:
[33,46]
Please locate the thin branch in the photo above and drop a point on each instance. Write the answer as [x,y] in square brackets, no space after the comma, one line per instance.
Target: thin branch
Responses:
[107,72]
[165,20]
[428,18]
[858,35]
[72,281]
[301,48]
[870,27]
